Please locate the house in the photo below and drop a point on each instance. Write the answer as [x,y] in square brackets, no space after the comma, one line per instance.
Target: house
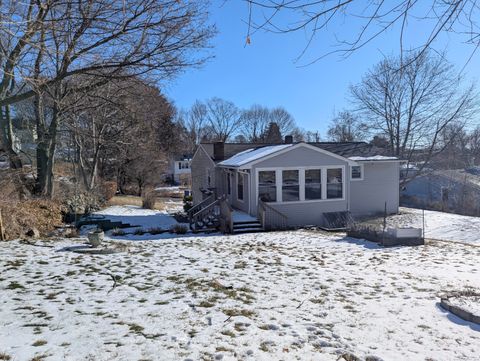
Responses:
[294,184]
[456,190]
[180,171]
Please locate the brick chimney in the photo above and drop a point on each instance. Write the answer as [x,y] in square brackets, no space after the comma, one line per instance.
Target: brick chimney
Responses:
[288,139]
[219,150]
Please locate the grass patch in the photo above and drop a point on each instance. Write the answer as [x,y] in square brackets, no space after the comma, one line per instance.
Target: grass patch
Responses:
[233,312]
[5,357]
[14,285]
[228,333]
[39,343]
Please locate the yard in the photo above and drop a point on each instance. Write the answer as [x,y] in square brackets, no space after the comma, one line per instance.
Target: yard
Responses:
[299,295]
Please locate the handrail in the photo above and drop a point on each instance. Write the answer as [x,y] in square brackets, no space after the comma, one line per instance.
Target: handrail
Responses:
[207,208]
[200,205]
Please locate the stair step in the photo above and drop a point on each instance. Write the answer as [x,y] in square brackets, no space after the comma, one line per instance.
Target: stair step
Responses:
[246,226]
[246,222]
[248,230]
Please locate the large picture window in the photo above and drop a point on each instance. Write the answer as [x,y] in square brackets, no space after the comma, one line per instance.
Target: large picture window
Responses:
[267,188]
[290,186]
[313,184]
[334,183]
[240,186]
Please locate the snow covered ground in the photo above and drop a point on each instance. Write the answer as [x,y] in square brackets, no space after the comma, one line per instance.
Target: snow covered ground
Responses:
[139,218]
[440,225]
[299,295]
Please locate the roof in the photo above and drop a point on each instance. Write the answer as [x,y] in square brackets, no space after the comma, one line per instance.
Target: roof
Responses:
[239,154]
[253,154]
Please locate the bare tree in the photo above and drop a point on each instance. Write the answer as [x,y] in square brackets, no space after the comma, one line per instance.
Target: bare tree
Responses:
[346,127]
[368,20]
[284,120]
[52,42]
[223,118]
[254,122]
[414,106]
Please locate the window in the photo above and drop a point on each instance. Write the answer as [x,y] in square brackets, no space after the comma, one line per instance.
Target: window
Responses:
[334,183]
[313,184]
[357,172]
[240,186]
[229,184]
[290,186]
[267,188]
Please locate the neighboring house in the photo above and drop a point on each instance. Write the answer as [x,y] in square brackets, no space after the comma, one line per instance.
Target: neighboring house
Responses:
[180,169]
[447,190]
[298,183]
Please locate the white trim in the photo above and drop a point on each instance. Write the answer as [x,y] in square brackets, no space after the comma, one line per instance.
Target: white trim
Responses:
[323,175]
[206,153]
[287,149]
[361,173]
[344,182]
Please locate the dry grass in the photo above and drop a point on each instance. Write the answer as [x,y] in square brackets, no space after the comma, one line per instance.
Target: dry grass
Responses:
[133,201]
[148,199]
[20,216]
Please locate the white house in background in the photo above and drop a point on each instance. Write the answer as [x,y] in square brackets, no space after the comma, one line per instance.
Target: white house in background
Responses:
[295,184]
[180,169]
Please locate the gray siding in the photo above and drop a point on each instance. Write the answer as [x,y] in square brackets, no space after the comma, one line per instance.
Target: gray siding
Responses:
[310,212]
[201,164]
[380,184]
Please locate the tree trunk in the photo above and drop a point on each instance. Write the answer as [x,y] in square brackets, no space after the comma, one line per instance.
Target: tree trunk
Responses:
[46,146]
[7,138]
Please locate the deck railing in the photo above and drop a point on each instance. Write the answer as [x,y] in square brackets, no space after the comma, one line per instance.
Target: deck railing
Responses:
[208,214]
[199,206]
[271,218]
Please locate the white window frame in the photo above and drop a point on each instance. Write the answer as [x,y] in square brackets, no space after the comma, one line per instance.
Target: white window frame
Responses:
[243,186]
[361,172]
[343,184]
[301,170]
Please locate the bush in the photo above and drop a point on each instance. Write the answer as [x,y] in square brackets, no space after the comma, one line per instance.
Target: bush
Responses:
[139,232]
[83,202]
[148,199]
[109,189]
[187,203]
[179,229]
[156,230]
[118,232]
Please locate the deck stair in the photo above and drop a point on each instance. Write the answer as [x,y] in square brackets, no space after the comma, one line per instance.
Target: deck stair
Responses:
[249,226]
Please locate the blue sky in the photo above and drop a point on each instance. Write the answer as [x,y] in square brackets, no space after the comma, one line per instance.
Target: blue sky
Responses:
[264,72]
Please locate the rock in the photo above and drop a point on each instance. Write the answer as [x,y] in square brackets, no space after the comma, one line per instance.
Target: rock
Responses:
[33,233]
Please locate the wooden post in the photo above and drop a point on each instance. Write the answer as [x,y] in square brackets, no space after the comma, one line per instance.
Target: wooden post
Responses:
[423,224]
[2,230]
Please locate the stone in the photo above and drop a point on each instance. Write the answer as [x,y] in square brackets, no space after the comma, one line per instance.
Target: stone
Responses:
[33,233]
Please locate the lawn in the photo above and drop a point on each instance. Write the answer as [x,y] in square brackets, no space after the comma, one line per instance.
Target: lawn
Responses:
[299,295]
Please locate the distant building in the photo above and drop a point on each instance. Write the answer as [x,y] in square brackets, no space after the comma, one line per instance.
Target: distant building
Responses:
[455,190]
[180,170]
